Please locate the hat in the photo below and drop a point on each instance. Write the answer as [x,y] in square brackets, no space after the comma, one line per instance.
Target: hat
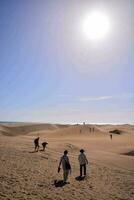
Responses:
[82,150]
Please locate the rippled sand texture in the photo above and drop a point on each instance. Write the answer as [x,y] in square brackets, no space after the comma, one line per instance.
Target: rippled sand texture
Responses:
[25,174]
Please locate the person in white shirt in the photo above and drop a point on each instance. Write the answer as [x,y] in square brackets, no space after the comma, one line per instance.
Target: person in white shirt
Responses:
[65,166]
[83,162]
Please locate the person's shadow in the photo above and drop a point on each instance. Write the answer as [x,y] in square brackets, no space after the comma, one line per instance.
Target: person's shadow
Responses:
[33,151]
[59,183]
[80,178]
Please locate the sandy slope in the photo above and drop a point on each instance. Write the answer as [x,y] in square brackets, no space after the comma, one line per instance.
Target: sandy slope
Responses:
[28,175]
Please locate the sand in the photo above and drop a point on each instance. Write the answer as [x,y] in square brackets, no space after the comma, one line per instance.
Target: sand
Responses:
[25,174]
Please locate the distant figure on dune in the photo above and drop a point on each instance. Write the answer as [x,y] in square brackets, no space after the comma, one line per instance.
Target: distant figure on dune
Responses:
[36,143]
[44,144]
[65,166]
[83,162]
[111,136]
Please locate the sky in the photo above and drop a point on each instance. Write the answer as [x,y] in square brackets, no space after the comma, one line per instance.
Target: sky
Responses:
[51,72]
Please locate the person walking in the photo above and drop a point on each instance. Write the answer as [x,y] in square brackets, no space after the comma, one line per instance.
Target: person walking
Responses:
[83,162]
[111,136]
[36,144]
[65,166]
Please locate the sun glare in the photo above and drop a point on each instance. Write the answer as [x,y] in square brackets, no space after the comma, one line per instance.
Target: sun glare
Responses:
[96,25]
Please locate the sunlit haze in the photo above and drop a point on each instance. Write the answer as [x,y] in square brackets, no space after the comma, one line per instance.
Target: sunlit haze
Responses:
[96,25]
[67,61]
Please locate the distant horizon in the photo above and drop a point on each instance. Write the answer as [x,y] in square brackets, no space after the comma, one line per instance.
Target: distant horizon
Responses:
[80,123]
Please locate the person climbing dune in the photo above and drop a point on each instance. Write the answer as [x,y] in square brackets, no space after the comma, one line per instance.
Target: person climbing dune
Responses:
[65,166]
[36,144]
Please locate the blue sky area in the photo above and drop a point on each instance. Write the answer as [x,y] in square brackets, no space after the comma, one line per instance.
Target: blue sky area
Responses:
[51,72]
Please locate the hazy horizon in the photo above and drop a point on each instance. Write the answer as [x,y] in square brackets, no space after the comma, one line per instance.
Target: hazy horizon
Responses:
[69,123]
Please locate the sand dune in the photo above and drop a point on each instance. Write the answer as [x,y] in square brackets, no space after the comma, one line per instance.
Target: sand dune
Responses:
[28,175]
[14,129]
[126,128]
[19,129]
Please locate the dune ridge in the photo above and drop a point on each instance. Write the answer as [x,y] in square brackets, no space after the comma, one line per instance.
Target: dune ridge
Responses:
[15,129]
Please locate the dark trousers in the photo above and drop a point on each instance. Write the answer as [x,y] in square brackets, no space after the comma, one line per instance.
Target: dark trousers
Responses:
[81,169]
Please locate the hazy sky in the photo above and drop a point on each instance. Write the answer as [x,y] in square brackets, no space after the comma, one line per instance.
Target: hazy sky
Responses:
[51,72]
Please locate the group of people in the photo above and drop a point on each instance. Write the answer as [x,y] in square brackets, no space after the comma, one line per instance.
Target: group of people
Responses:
[64,161]
[37,146]
[90,130]
[66,166]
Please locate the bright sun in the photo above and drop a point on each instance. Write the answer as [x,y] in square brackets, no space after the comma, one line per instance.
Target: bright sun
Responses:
[96,25]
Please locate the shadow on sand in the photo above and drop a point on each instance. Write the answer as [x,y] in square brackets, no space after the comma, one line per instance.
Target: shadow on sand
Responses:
[80,178]
[41,150]
[33,151]
[59,183]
